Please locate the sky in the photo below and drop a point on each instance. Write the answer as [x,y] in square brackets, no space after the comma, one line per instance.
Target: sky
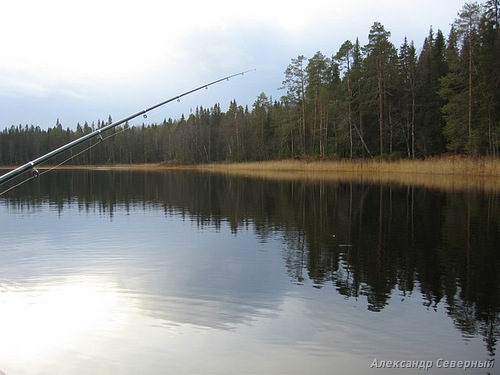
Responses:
[80,61]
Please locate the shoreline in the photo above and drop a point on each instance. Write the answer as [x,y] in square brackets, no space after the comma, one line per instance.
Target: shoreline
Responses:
[445,165]
[444,173]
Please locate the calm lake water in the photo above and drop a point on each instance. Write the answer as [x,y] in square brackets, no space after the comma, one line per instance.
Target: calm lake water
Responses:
[195,273]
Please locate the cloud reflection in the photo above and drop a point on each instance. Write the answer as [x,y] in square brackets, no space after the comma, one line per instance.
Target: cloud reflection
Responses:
[38,319]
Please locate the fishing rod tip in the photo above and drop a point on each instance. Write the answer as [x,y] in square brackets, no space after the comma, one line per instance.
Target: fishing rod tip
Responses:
[248,71]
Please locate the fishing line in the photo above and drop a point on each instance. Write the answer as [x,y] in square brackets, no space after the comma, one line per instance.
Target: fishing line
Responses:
[36,173]
[17,185]
[83,151]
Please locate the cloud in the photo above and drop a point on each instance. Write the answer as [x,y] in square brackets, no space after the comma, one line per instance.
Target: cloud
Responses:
[114,52]
[73,94]
[16,84]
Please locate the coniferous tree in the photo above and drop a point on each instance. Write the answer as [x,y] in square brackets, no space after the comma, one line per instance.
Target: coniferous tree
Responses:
[295,84]
[453,91]
[432,67]
[458,87]
[344,58]
[262,122]
[489,73]
[322,75]
[379,54]
[408,87]
[467,26]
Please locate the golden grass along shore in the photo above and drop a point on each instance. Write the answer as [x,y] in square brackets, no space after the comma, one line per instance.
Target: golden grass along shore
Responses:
[442,166]
[446,173]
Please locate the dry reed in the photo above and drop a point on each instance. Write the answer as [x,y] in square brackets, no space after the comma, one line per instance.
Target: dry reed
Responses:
[444,173]
[450,173]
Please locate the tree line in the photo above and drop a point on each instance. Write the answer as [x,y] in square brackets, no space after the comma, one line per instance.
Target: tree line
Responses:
[364,101]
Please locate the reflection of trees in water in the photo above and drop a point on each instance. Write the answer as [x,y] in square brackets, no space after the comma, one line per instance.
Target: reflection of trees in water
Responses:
[470,253]
[365,240]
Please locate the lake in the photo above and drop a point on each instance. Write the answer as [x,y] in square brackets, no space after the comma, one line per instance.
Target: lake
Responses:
[179,272]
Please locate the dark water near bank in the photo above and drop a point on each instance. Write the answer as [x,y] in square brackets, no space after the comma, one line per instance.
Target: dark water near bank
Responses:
[186,272]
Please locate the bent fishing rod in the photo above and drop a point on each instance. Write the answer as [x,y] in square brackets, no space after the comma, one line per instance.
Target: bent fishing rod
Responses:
[98,133]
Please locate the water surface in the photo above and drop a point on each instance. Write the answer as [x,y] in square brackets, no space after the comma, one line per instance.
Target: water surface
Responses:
[187,272]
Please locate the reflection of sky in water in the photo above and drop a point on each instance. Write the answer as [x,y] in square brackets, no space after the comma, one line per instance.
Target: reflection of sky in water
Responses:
[152,293]
[39,319]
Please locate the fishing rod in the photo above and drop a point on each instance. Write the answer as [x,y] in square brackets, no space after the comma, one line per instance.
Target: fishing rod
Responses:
[97,133]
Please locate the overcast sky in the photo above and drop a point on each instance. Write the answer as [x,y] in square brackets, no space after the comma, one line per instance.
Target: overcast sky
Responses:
[82,61]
